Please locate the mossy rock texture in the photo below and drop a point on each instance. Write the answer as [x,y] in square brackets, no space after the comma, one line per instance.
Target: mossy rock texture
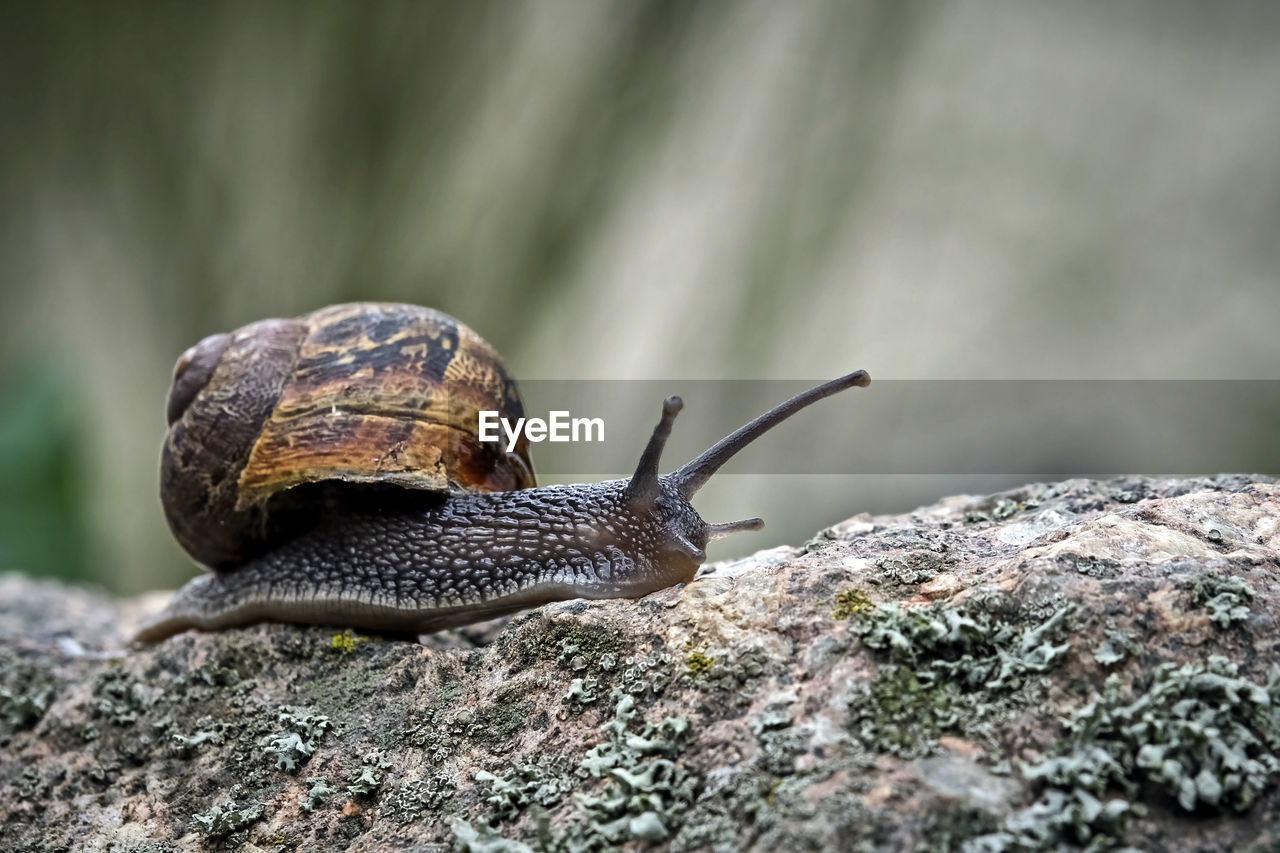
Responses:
[1083,665]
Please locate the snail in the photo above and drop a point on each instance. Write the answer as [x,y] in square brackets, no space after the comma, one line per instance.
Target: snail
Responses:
[327,469]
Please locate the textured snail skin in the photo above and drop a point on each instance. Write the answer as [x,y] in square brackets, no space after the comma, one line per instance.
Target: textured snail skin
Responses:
[431,563]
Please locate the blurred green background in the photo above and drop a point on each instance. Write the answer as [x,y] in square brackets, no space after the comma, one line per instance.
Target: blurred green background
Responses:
[631,190]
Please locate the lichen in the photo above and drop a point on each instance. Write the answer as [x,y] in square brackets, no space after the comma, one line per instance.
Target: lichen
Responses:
[497,725]
[647,792]
[779,742]
[1004,508]
[1116,646]
[1101,568]
[644,798]
[1058,820]
[1199,734]
[231,664]
[901,716]
[949,669]
[541,783]
[317,793]
[1226,598]
[367,778]
[208,732]
[698,662]
[117,697]
[966,644]
[406,802]
[292,747]
[225,818]
[23,709]
[485,839]
[911,568]
[582,691]
[560,640]
[801,726]
[851,602]
[1203,734]
[947,830]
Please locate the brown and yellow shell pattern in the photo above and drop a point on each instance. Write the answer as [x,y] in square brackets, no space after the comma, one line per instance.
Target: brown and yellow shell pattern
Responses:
[376,393]
[386,394]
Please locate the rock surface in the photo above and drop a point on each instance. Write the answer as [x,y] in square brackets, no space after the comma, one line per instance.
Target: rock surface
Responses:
[1086,664]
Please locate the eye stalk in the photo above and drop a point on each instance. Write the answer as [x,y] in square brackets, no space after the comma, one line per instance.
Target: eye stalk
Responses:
[645,486]
[643,489]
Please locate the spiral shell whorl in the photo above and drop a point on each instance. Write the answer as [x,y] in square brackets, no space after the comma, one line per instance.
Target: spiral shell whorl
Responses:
[367,393]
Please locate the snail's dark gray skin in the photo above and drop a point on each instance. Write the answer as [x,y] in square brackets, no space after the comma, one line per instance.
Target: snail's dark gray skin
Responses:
[418,562]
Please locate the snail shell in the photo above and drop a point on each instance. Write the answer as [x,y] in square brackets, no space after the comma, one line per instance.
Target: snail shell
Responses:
[268,420]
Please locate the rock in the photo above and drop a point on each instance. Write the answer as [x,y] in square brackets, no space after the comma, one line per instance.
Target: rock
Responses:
[1085,664]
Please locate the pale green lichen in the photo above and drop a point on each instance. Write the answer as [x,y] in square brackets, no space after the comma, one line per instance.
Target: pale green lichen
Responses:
[225,818]
[117,698]
[1004,508]
[1094,567]
[582,691]
[185,746]
[363,780]
[26,693]
[950,669]
[1207,736]
[645,673]
[1058,820]
[946,829]
[316,794]
[485,839]
[1116,646]
[1201,734]
[965,644]
[1226,598]
[407,801]
[525,785]
[644,799]
[290,750]
[22,710]
[647,793]
[779,742]
[292,747]
[910,568]
[366,778]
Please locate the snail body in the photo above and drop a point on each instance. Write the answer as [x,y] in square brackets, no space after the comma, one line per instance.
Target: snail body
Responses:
[382,511]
